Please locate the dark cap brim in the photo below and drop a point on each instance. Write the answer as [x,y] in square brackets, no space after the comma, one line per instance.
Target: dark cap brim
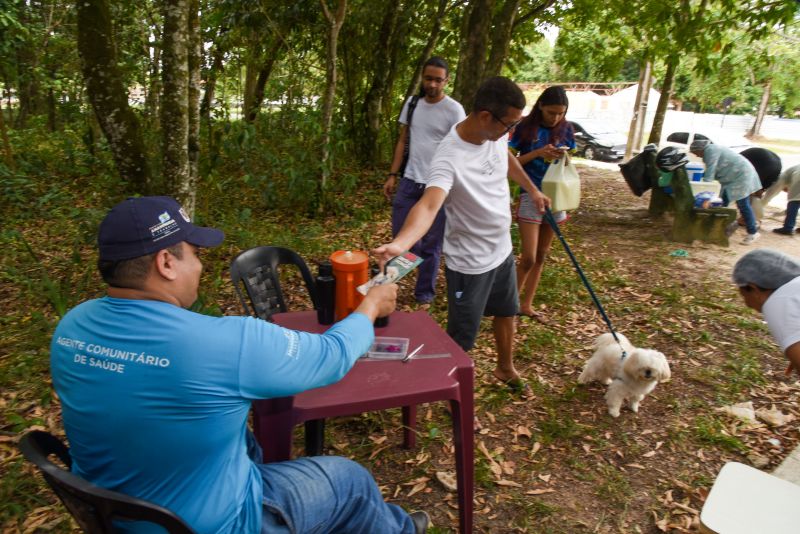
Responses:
[202,236]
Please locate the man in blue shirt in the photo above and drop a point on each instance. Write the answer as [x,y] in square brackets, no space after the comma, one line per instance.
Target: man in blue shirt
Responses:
[155,398]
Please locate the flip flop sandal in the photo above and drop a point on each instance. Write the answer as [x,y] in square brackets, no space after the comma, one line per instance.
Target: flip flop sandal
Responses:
[517,386]
[536,316]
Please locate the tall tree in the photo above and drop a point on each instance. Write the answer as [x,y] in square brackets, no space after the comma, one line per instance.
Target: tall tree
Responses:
[487,35]
[755,130]
[507,21]
[390,42]
[435,30]
[108,93]
[671,30]
[180,101]
[335,21]
[663,99]
[472,54]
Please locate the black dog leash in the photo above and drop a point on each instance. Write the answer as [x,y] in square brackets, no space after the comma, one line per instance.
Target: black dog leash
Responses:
[554,225]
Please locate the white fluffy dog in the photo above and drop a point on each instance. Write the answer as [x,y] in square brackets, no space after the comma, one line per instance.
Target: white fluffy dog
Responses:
[629,378]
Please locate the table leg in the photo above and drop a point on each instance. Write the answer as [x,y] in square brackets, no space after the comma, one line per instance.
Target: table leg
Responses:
[315,437]
[409,426]
[463,437]
[273,427]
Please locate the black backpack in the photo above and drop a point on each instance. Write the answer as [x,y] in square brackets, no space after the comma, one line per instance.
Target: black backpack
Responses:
[411,107]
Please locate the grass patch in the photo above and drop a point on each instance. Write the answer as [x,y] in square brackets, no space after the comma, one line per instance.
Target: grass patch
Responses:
[710,431]
[613,485]
[557,428]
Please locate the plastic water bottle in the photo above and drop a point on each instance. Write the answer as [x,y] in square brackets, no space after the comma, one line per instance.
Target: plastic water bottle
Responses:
[326,293]
[380,322]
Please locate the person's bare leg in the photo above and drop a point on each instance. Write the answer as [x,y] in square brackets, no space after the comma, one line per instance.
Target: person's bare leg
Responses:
[545,239]
[503,328]
[529,238]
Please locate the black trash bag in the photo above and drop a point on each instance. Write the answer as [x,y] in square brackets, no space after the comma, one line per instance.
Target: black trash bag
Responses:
[635,173]
[767,163]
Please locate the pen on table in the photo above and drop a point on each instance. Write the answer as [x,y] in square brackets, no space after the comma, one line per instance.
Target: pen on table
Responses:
[413,353]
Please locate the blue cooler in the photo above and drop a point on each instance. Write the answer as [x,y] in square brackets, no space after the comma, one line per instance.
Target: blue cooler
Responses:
[695,171]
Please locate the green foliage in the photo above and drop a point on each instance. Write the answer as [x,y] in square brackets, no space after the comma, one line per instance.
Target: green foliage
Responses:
[595,51]
[537,64]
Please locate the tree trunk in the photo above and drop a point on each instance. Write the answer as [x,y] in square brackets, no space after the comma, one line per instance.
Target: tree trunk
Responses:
[108,94]
[8,154]
[175,99]
[251,68]
[505,23]
[472,57]
[335,21]
[663,100]
[502,27]
[188,190]
[211,82]
[152,102]
[28,90]
[762,110]
[262,78]
[639,109]
[398,45]
[433,38]
[373,102]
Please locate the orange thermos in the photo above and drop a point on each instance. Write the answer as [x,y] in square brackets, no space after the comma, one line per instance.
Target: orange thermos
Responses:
[350,268]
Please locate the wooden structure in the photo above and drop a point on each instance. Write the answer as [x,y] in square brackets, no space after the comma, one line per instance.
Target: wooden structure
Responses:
[708,225]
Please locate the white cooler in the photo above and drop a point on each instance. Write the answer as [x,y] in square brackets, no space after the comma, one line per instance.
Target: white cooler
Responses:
[698,187]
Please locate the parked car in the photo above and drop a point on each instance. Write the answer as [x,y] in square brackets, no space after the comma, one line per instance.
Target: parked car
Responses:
[594,139]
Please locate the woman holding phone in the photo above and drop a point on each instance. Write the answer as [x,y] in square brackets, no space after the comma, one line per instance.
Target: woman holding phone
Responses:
[542,137]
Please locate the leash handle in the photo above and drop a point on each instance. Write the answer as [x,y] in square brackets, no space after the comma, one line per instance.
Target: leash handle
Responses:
[554,225]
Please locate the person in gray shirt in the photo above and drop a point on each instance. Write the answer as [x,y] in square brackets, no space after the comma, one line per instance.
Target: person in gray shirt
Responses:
[425,119]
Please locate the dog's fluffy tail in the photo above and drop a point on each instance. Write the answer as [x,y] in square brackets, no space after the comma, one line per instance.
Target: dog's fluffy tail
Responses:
[607,339]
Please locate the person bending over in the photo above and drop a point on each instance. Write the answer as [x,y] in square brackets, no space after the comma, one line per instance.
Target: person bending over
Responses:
[769,282]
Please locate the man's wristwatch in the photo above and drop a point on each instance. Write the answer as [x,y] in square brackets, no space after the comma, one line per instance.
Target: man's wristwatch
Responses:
[392,174]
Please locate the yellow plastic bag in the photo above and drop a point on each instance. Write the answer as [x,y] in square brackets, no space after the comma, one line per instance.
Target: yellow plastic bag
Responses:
[562,184]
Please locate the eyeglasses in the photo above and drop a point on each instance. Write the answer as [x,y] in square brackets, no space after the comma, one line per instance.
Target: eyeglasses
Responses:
[434,79]
[509,127]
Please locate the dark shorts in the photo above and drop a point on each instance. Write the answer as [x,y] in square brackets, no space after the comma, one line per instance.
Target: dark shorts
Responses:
[473,296]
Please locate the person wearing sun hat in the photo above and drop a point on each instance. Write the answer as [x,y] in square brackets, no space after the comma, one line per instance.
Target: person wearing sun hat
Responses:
[769,282]
[155,398]
[737,176]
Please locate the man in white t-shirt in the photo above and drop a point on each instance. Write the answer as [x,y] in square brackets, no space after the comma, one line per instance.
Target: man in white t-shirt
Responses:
[769,282]
[469,176]
[425,120]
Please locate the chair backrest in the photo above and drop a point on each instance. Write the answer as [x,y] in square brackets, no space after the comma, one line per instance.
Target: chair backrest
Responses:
[257,270]
[94,508]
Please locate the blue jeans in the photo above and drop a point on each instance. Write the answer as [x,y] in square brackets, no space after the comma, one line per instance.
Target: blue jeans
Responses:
[791,214]
[746,211]
[429,248]
[324,494]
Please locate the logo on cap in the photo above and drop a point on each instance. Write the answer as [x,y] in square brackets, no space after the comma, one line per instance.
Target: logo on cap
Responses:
[164,217]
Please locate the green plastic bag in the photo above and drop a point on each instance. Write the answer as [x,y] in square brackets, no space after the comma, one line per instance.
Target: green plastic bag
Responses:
[664,178]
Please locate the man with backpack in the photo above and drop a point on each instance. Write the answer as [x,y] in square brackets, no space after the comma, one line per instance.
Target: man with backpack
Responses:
[425,119]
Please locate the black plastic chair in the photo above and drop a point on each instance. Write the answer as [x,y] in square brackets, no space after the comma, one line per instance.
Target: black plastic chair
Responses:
[257,270]
[94,508]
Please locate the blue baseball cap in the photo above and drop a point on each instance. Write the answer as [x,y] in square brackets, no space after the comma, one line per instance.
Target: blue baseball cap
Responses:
[143,225]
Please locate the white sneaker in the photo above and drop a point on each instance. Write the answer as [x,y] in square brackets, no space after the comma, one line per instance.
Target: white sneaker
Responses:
[749,238]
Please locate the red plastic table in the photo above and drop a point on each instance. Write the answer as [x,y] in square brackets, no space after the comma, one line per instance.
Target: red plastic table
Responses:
[378,385]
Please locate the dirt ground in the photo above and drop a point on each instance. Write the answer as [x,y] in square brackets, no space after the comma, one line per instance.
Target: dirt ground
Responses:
[558,462]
